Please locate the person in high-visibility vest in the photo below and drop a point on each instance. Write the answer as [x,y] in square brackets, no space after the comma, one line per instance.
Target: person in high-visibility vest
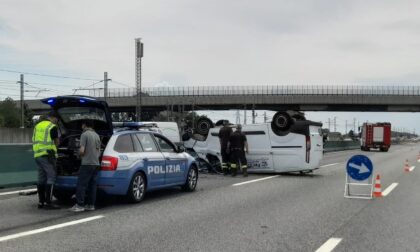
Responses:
[44,142]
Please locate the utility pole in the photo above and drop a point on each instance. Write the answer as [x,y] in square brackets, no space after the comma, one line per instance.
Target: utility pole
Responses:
[238,117]
[354,125]
[22,107]
[192,113]
[335,124]
[253,113]
[329,124]
[106,85]
[346,128]
[245,114]
[139,55]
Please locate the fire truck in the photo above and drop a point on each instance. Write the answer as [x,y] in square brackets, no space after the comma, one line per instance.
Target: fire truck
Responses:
[375,136]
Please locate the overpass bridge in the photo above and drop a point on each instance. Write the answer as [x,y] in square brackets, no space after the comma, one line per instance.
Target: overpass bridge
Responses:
[269,97]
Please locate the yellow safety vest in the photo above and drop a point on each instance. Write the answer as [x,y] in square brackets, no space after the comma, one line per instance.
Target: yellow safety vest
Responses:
[41,139]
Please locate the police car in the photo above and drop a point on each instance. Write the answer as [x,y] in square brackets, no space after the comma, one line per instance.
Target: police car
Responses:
[133,162]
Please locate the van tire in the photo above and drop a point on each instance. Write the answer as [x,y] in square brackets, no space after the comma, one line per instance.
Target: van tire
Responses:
[137,188]
[203,126]
[186,136]
[216,165]
[281,123]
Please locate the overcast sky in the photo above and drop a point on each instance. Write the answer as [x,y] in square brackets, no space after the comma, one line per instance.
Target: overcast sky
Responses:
[212,42]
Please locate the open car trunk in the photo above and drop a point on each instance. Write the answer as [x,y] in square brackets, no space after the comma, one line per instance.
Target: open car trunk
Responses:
[72,112]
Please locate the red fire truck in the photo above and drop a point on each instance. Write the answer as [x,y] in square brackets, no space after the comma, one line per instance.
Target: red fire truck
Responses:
[375,135]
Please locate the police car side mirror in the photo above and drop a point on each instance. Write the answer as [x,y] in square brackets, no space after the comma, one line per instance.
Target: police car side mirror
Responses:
[181,149]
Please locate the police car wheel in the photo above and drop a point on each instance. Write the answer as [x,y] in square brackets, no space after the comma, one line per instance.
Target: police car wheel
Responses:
[137,188]
[192,179]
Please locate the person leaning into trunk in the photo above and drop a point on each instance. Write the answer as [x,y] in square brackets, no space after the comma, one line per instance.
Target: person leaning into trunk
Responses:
[90,145]
[238,146]
[44,144]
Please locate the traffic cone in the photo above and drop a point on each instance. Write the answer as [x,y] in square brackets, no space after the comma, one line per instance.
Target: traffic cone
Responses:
[377,193]
[406,166]
[418,158]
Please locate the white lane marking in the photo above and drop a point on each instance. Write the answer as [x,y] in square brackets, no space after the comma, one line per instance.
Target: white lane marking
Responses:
[16,192]
[389,189]
[45,229]
[255,180]
[412,168]
[329,245]
[329,165]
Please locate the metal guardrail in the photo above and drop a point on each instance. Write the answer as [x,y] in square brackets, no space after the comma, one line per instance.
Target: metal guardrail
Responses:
[264,90]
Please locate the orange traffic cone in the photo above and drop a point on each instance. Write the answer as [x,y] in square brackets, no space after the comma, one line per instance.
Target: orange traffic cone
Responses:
[406,166]
[377,193]
[418,157]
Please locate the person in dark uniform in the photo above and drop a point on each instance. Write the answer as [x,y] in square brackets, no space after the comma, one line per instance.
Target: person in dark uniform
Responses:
[238,146]
[45,142]
[224,135]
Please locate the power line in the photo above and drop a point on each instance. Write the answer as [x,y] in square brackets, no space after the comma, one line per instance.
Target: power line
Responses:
[48,75]
[50,84]
[122,84]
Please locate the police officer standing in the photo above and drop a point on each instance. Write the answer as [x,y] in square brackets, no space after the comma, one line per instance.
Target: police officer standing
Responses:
[224,135]
[45,142]
[238,146]
[90,150]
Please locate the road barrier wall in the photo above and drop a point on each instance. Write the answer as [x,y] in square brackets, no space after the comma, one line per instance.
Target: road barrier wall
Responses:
[331,146]
[15,136]
[17,165]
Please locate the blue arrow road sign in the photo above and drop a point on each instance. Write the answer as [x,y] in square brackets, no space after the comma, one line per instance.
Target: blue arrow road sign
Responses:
[359,167]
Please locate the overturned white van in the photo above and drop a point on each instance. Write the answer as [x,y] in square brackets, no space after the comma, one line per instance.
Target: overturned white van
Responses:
[284,145]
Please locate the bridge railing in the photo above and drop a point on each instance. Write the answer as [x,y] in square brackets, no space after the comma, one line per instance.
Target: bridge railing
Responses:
[264,90]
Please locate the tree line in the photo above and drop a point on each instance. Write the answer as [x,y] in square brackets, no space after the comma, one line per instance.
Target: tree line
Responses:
[10,114]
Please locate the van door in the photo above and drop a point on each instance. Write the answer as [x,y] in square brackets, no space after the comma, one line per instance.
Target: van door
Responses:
[260,156]
[317,146]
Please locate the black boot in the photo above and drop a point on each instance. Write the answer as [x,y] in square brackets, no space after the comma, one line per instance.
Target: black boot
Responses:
[225,171]
[233,172]
[41,195]
[245,172]
[48,198]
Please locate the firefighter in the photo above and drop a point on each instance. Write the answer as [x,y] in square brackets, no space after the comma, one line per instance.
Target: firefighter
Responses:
[238,146]
[224,135]
[45,142]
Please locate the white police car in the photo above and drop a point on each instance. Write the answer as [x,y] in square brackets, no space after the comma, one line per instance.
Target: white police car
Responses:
[132,163]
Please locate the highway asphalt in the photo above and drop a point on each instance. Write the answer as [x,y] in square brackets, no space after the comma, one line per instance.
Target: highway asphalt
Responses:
[280,213]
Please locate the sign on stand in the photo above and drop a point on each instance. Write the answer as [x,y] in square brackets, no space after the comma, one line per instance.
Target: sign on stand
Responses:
[359,179]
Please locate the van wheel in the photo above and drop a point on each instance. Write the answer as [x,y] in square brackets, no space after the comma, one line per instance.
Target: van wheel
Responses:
[137,188]
[215,164]
[281,123]
[204,124]
[192,179]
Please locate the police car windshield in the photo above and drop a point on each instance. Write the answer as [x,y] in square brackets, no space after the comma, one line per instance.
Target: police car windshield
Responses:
[69,114]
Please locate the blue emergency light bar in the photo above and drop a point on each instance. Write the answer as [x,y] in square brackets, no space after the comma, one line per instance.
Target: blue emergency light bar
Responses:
[133,124]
